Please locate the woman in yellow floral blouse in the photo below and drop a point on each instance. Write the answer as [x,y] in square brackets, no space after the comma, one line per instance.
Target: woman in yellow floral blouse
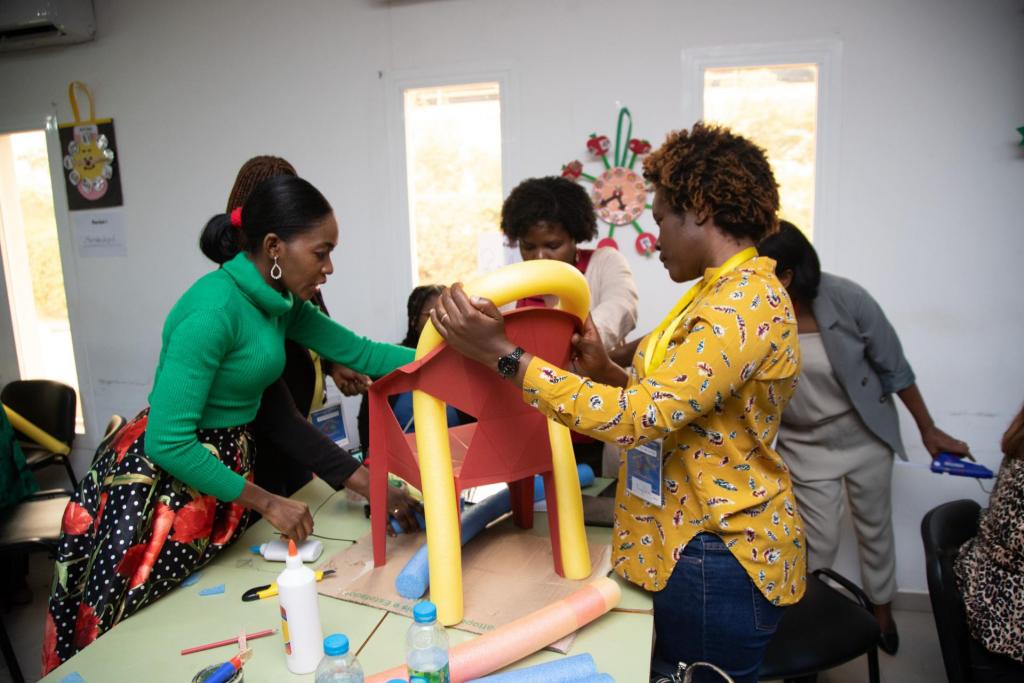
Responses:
[705,514]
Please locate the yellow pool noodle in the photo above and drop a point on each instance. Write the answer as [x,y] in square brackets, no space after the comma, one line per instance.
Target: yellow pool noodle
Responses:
[507,644]
[444,556]
[35,433]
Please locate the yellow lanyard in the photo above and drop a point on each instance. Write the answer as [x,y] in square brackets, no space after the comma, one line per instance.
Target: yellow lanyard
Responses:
[658,340]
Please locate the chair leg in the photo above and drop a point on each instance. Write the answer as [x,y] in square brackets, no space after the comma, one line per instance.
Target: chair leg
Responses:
[873,676]
[10,658]
[71,472]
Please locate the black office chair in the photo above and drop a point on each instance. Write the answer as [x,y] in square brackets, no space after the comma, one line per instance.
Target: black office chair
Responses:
[822,631]
[50,406]
[944,529]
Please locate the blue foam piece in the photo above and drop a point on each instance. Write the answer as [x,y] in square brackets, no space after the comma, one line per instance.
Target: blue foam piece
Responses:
[213,590]
[595,678]
[567,670]
[585,472]
[414,578]
[191,579]
[73,677]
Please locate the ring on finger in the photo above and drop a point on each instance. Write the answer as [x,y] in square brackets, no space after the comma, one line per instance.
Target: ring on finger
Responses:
[444,317]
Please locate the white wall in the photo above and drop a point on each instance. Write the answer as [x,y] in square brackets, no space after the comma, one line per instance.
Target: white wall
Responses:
[930,177]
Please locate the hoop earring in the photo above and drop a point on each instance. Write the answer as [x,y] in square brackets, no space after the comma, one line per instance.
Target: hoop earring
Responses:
[275,270]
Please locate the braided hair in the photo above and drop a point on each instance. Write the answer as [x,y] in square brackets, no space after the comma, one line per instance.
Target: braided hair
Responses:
[252,173]
[414,307]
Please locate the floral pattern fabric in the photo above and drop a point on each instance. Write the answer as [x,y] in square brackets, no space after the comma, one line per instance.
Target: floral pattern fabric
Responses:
[716,402]
[131,533]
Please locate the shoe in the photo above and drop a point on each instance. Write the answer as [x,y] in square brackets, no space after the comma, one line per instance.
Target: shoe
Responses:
[889,641]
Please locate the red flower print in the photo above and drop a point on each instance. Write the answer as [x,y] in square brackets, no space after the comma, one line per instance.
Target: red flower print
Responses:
[599,144]
[127,436]
[87,626]
[99,511]
[227,524]
[77,519]
[50,659]
[572,170]
[163,518]
[194,520]
[130,562]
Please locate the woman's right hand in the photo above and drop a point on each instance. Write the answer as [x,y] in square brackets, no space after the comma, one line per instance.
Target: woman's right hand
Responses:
[290,517]
[590,358]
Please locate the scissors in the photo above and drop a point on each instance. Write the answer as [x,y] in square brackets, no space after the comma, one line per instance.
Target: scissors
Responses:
[269,590]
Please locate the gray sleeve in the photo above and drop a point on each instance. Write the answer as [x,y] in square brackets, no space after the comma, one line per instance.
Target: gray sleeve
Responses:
[882,345]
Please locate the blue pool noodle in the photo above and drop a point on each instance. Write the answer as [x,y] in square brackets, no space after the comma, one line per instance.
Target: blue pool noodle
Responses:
[567,670]
[414,578]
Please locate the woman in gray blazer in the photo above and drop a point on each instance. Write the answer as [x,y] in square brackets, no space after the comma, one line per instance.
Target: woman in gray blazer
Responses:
[841,428]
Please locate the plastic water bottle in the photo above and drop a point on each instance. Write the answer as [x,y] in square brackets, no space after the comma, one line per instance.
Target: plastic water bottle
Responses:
[300,614]
[338,665]
[426,645]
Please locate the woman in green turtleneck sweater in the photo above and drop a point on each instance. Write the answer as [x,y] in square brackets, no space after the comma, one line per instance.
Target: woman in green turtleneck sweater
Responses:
[174,486]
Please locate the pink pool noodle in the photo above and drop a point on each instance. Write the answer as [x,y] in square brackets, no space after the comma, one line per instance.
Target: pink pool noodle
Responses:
[509,643]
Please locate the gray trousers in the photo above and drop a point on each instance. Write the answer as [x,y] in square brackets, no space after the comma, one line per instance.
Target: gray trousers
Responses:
[823,460]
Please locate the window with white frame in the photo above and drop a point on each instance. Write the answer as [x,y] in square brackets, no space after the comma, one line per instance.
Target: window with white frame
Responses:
[781,97]
[454,185]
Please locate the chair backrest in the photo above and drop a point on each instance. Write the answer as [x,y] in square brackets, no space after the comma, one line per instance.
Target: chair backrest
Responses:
[510,437]
[45,403]
[943,530]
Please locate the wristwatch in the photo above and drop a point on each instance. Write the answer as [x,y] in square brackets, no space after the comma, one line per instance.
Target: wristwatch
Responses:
[508,365]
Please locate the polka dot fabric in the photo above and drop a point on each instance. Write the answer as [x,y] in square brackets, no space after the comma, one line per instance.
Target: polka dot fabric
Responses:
[131,533]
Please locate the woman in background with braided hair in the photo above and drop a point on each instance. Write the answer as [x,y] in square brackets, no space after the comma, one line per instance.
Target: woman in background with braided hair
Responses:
[173,487]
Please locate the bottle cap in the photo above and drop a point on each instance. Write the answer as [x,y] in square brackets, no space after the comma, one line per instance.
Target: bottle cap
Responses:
[336,644]
[418,679]
[424,612]
[292,550]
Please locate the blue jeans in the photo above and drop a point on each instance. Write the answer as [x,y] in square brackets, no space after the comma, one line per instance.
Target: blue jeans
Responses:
[710,611]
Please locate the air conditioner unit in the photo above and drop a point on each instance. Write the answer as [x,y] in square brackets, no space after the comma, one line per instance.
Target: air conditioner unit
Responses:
[26,24]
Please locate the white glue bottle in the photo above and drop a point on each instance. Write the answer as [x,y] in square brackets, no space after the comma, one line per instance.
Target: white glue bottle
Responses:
[300,614]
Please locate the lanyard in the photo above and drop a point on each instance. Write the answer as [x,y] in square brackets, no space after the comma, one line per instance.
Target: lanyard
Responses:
[658,340]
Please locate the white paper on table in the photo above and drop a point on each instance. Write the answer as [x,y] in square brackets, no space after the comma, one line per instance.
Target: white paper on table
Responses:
[99,232]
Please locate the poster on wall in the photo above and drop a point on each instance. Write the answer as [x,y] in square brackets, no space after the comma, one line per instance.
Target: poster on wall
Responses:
[92,175]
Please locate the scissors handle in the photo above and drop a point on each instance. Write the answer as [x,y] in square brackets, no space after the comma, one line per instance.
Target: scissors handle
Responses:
[269,590]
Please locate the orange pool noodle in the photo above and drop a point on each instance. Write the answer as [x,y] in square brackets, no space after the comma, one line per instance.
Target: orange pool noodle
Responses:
[506,644]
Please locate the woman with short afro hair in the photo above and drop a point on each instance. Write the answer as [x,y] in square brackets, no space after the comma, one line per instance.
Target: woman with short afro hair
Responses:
[705,516]
[547,218]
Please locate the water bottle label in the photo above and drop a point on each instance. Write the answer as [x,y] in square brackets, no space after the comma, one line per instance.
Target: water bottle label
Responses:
[440,676]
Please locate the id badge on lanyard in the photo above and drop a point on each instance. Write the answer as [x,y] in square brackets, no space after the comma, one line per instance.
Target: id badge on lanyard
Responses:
[643,472]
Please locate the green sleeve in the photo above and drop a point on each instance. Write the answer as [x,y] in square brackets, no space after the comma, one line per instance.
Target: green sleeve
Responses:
[310,327]
[192,354]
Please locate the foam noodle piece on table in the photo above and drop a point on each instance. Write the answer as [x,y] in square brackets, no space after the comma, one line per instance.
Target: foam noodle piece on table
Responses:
[566,670]
[502,286]
[414,578]
[524,636]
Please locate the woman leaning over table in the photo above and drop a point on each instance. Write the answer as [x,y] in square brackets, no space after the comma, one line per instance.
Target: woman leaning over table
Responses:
[174,486]
[723,550]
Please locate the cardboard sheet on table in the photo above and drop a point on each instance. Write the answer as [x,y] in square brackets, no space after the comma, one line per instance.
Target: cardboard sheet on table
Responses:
[507,573]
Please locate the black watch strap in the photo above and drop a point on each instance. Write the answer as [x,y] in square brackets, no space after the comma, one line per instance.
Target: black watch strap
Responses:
[508,365]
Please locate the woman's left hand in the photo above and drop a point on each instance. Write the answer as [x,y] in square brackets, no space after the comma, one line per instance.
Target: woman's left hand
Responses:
[474,328]
[938,441]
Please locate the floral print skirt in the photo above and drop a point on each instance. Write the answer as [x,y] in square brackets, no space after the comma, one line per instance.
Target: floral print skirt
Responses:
[132,532]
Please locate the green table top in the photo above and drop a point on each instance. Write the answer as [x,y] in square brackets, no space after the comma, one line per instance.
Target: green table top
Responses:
[147,646]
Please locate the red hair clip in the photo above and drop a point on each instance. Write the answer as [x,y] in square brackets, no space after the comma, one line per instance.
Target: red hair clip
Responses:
[236,217]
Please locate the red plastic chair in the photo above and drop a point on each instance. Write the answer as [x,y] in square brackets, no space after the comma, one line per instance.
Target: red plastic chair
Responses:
[508,443]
